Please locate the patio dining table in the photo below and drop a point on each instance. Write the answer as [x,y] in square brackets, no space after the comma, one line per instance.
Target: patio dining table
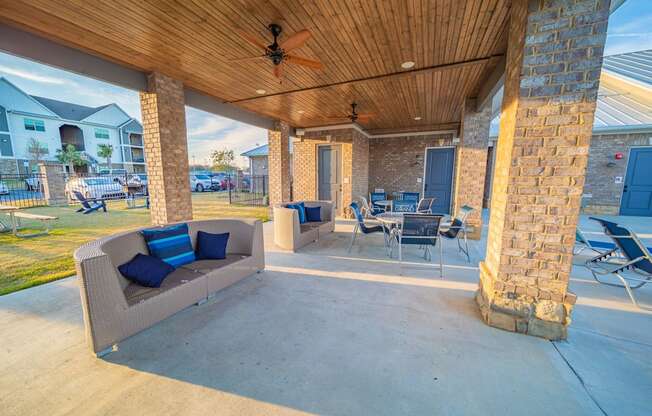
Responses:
[9,210]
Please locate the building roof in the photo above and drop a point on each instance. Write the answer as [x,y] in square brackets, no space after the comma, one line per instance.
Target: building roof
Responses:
[616,108]
[634,65]
[68,111]
[258,151]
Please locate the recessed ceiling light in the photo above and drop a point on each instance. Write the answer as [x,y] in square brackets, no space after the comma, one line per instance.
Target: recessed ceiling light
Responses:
[407,64]
[260,91]
[300,111]
[417,118]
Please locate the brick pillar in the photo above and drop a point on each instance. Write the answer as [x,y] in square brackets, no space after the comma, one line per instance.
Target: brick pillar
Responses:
[472,163]
[279,163]
[554,57]
[166,149]
[54,183]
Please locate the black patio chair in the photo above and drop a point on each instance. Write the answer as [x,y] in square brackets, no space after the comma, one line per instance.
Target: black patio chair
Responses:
[457,230]
[630,254]
[89,205]
[360,224]
[421,230]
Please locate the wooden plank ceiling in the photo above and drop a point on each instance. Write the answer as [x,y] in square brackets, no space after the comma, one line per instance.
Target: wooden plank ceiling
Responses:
[361,44]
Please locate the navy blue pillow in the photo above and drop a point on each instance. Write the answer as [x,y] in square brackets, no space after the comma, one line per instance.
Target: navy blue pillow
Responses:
[170,244]
[211,246]
[313,214]
[146,270]
[301,209]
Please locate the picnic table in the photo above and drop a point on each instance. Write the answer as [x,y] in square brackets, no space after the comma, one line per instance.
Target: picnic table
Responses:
[14,221]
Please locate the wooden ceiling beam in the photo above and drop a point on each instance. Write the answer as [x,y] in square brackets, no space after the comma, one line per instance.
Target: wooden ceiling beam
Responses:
[491,84]
[454,65]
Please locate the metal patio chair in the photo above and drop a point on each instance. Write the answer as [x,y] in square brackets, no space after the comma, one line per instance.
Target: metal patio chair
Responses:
[421,230]
[425,205]
[404,206]
[629,255]
[367,211]
[410,196]
[360,225]
[458,230]
[377,196]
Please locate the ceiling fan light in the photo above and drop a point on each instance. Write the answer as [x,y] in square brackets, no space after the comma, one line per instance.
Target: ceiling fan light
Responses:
[417,118]
[300,111]
[260,91]
[407,64]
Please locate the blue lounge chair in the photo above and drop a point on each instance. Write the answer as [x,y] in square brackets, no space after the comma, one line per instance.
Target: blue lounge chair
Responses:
[89,205]
[599,247]
[360,225]
[377,196]
[629,255]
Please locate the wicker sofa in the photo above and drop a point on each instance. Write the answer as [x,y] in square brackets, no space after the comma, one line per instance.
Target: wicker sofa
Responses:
[289,234]
[114,308]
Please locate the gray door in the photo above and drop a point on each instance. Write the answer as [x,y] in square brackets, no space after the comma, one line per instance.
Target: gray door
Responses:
[329,174]
[439,178]
[637,193]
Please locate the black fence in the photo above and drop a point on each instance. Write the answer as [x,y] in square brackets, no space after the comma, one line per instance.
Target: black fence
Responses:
[22,190]
[112,186]
[248,190]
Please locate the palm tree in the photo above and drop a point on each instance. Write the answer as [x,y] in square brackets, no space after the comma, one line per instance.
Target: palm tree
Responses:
[105,151]
[36,150]
[70,157]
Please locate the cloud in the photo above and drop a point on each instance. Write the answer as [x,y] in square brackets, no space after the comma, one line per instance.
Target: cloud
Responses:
[208,125]
[240,138]
[32,76]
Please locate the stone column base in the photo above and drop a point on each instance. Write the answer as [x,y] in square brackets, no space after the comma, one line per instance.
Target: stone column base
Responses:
[518,309]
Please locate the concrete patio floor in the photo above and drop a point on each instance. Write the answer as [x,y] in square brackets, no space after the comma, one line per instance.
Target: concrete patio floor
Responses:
[324,331]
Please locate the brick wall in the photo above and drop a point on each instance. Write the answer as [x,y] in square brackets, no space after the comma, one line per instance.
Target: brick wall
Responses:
[8,167]
[395,163]
[600,178]
[279,164]
[553,66]
[166,149]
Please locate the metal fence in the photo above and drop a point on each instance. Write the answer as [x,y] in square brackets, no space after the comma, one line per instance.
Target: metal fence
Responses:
[248,190]
[21,190]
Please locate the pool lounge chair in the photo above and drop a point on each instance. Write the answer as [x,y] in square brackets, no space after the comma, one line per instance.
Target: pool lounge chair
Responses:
[630,255]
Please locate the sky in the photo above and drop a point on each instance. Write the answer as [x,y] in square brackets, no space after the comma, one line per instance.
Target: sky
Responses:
[630,29]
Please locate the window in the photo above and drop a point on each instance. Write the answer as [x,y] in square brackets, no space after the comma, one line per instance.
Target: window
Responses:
[34,125]
[101,134]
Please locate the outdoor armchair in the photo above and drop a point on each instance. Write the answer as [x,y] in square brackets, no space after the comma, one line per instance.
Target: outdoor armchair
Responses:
[425,205]
[366,210]
[629,255]
[404,206]
[291,234]
[410,196]
[360,225]
[377,196]
[458,230]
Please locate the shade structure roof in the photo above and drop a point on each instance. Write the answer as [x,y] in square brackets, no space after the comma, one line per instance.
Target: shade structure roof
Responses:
[362,44]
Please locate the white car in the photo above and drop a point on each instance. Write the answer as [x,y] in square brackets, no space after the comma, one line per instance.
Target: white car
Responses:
[200,183]
[97,187]
[3,189]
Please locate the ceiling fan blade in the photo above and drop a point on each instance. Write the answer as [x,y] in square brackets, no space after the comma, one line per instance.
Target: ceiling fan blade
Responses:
[365,115]
[250,58]
[303,61]
[296,40]
[278,70]
[252,39]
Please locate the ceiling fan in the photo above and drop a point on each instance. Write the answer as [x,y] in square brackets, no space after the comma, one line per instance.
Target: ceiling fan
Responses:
[279,53]
[354,116]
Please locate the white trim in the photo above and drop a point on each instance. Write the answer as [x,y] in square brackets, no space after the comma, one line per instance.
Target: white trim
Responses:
[106,106]
[425,163]
[341,156]
[355,126]
[66,121]
[29,97]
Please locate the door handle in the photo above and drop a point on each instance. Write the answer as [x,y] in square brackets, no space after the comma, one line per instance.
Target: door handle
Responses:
[625,188]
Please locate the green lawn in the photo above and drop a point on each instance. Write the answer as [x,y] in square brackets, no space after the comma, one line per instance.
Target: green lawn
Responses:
[26,262]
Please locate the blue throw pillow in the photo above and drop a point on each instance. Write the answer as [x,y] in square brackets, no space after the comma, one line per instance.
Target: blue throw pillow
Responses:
[301,209]
[313,214]
[211,246]
[146,270]
[170,244]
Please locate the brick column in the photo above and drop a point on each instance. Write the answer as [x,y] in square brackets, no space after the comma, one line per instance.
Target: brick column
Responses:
[551,83]
[279,163]
[472,163]
[54,183]
[166,149]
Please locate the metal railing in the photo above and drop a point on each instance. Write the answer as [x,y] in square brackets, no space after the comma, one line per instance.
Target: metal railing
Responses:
[248,190]
[22,190]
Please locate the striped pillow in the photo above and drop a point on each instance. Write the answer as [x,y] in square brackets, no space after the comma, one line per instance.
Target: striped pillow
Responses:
[170,244]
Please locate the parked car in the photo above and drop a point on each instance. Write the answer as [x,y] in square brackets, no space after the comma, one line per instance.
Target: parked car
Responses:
[200,183]
[216,181]
[227,183]
[117,175]
[99,187]
[4,190]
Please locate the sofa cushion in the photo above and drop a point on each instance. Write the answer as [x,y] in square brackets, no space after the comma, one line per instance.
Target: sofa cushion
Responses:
[135,293]
[170,244]
[313,214]
[211,246]
[301,209]
[207,266]
[146,270]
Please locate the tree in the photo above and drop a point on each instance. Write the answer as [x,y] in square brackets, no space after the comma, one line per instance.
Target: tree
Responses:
[105,151]
[36,150]
[70,157]
[223,160]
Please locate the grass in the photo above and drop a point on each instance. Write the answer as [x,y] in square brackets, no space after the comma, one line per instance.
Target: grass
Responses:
[27,262]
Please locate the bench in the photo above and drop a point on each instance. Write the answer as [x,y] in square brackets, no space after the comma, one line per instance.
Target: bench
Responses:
[44,219]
